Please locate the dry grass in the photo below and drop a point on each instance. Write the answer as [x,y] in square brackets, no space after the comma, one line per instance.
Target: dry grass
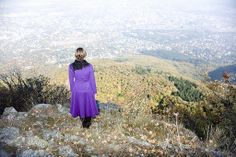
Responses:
[108,133]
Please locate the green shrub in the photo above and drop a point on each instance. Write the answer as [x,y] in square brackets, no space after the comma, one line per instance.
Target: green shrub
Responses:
[141,70]
[186,90]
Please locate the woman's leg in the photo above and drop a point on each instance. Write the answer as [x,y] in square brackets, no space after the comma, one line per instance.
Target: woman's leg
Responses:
[86,122]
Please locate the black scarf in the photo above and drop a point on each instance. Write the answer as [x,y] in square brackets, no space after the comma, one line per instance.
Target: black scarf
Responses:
[79,64]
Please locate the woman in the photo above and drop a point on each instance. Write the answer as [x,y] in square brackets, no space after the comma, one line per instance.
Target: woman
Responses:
[83,89]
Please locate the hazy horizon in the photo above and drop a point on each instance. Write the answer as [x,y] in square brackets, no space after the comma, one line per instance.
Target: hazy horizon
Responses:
[52,30]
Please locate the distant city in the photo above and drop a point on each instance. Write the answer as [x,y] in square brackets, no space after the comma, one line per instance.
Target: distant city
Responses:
[49,31]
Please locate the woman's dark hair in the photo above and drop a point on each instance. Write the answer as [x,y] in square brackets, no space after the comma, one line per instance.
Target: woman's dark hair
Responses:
[79,64]
[79,49]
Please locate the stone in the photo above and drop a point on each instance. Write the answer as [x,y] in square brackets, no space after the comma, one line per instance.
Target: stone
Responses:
[3,153]
[139,142]
[74,138]
[21,115]
[36,141]
[9,134]
[8,110]
[52,134]
[9,113]
[66,151]
[62,109]
[109,107]
[114,147]
[89,149]
[43,110]
[29,133]
[33,153]
[41,106]
[216,153]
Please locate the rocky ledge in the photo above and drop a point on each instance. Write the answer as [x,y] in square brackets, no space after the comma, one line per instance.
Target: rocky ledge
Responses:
[49,130]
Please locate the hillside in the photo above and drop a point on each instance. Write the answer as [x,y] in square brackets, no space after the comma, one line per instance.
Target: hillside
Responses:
[165,110]
[122,79]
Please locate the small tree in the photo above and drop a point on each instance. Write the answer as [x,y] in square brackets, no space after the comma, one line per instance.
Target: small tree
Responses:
[226,77]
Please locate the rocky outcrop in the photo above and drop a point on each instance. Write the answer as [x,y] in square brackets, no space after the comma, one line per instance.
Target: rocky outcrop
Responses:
[49,130]
[11,114]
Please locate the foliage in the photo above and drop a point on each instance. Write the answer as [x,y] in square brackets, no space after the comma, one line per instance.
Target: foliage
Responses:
[23,93]
[212,119]
[186,90]
[142,69]
[224,96]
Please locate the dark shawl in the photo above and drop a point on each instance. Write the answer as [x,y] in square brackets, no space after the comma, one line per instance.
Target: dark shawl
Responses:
[79,64]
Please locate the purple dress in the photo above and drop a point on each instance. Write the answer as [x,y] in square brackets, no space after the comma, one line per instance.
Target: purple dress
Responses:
[83,89]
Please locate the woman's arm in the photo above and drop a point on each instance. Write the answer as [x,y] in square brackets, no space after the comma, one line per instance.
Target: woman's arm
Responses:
[71,77]
[92,80]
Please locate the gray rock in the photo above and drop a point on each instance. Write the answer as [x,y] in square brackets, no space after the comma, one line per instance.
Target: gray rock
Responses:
[216,153]
[32,140]
[66,151]
[115,147]
[62,109]
[3,153]
[11,137]
[43,110]
[73,138]
[166,145]
[8,110]
[36,141]
[9,134]
[52,134]
[139,142]
[41,106]
[21,115]
[34,153]
[29,133]
[89,149]
[109,106]
[9,113]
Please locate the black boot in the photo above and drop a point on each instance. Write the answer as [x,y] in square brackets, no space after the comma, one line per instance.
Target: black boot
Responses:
[86,122]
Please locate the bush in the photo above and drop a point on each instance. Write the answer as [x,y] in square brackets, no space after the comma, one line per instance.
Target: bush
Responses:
[186,90]
[22,93]
[212,119]
[142,70]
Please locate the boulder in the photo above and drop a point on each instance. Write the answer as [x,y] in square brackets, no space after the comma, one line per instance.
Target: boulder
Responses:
[62,109]
[43,110]
[9,113]
[52,134]
[32,140]
[89,149]
[33,153]
[42,106]
[138,142]
[66,151]
[8,135]
[108,106]
[7,151]
[74,138]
